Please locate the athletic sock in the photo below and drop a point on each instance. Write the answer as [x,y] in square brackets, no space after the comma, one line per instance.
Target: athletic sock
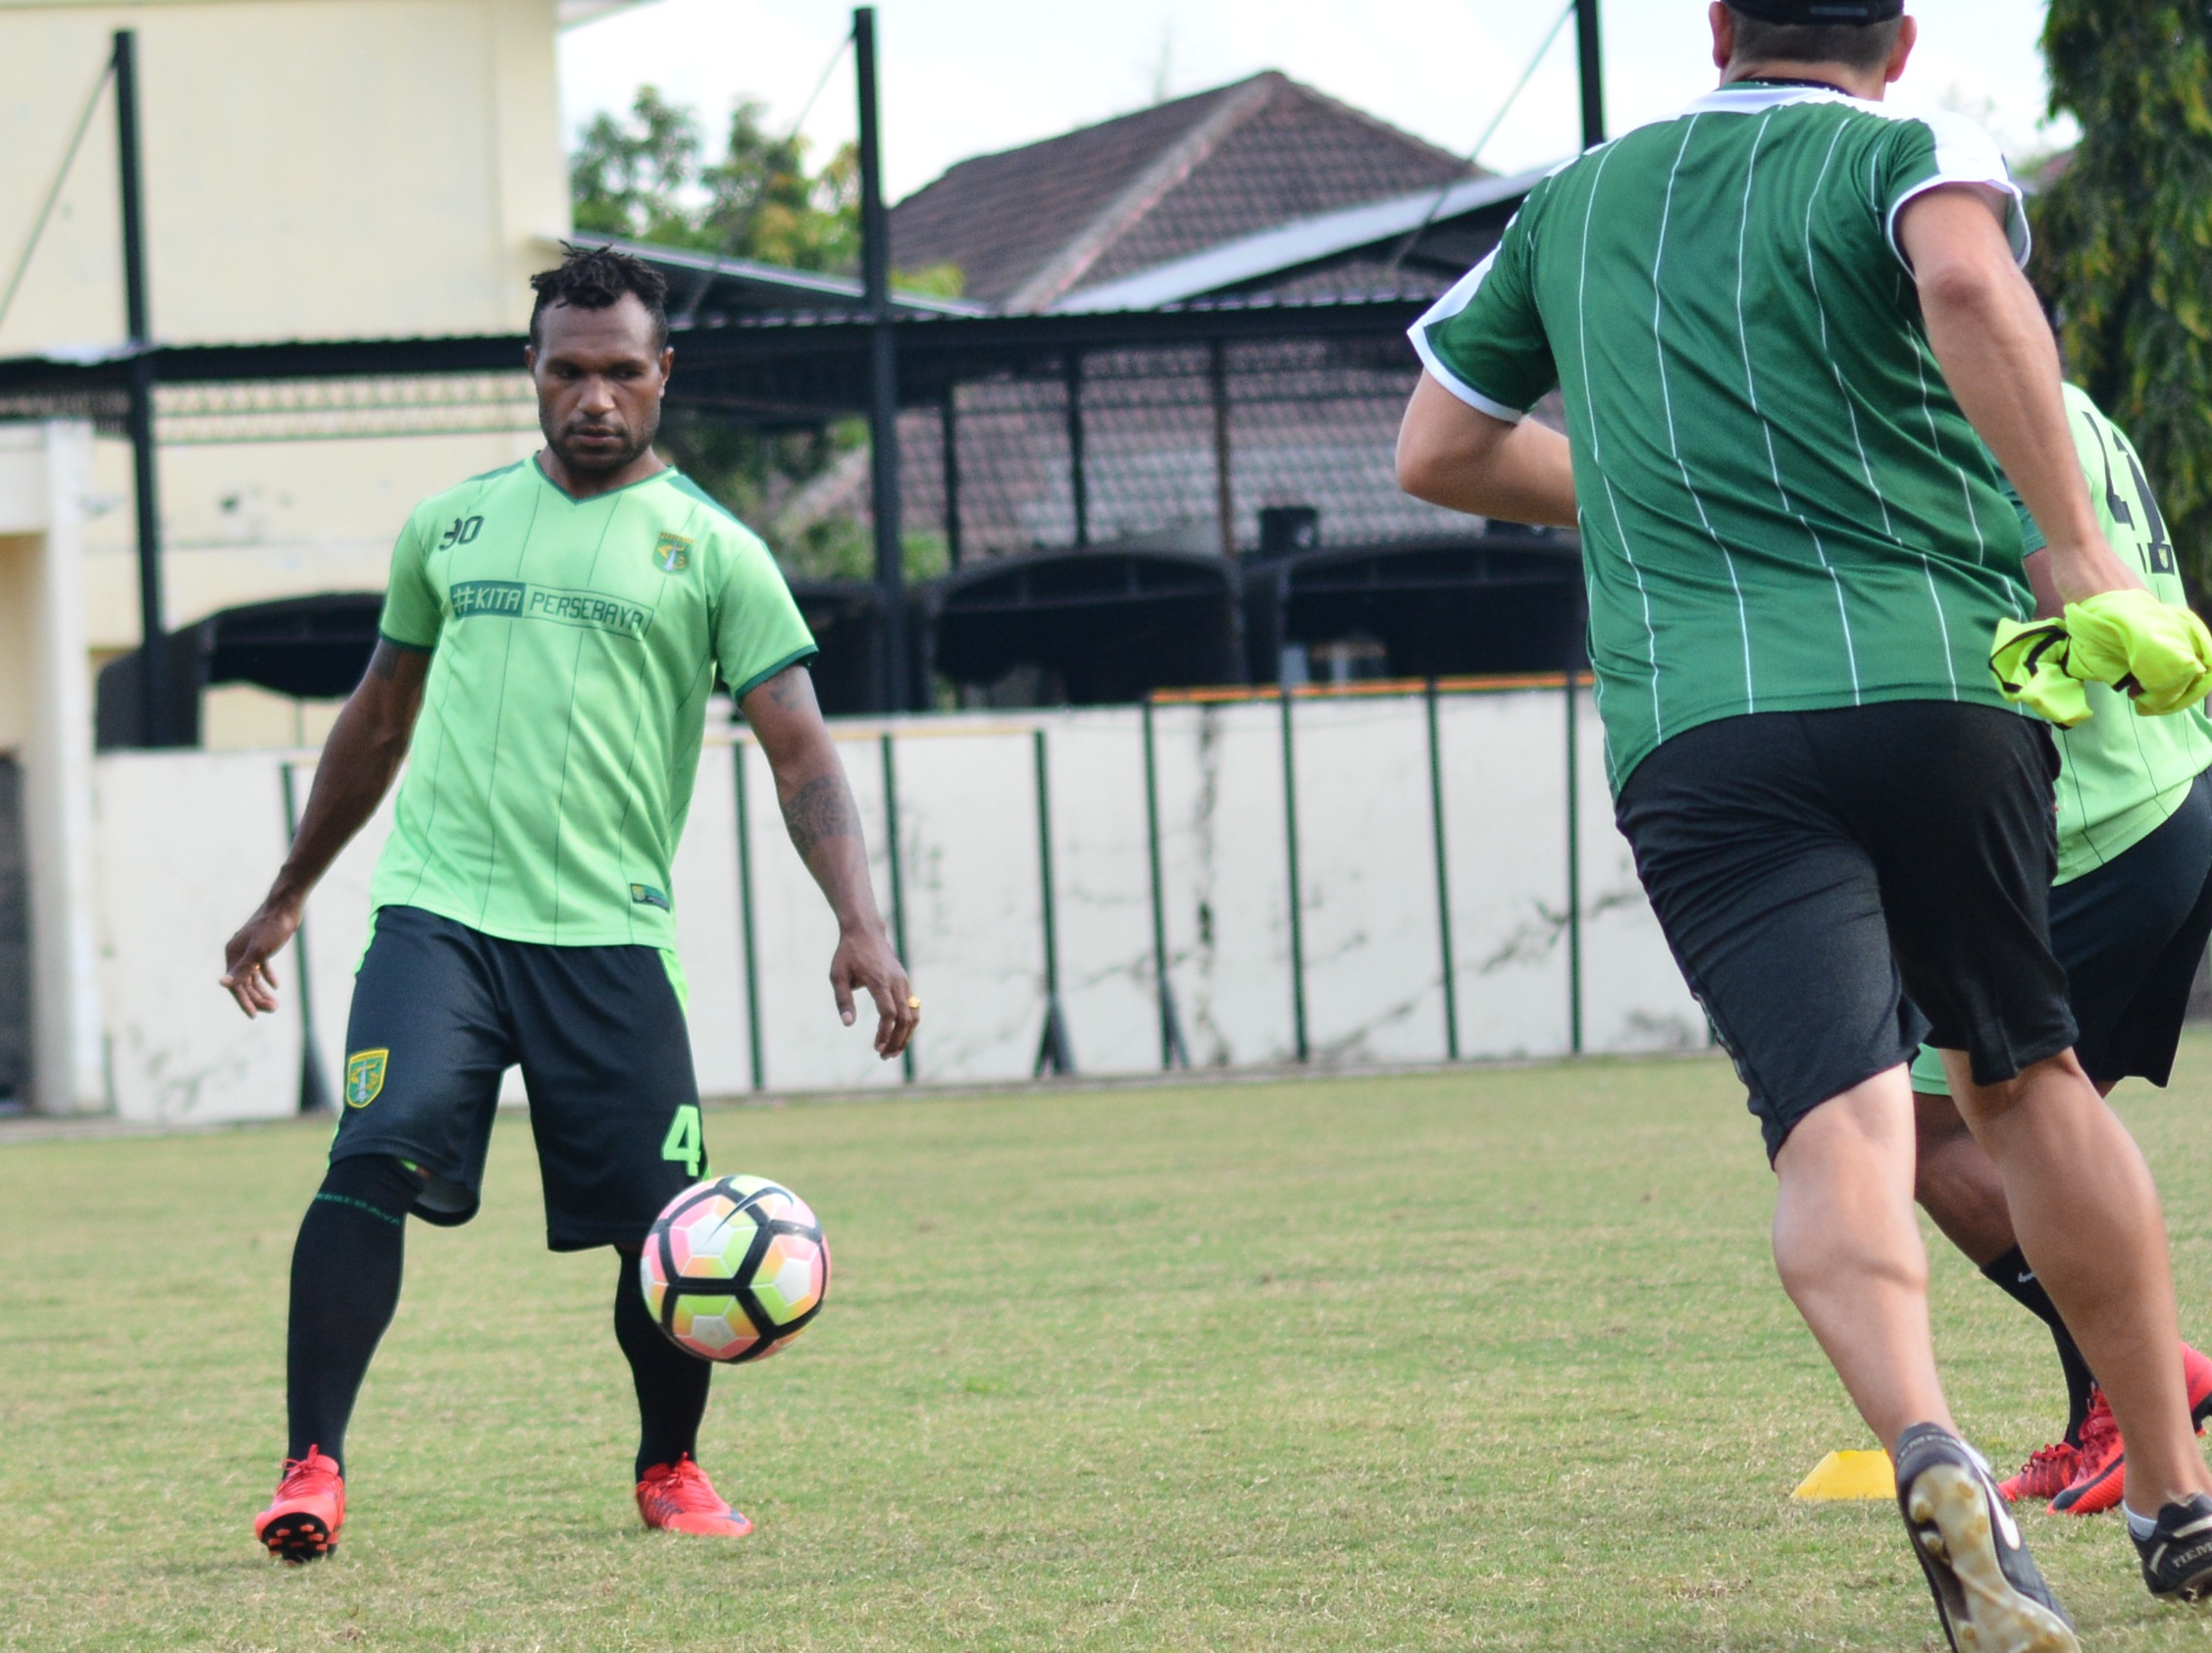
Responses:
[671,1384]
[2010,1275]
[2141,1527]
[345,1285]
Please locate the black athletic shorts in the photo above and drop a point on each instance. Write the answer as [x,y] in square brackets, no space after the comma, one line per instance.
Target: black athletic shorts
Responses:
[1819,874]
[2130,936]
[441,1010]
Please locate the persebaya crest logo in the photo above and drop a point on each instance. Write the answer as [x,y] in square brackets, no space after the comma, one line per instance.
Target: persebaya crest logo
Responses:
[364,1077]
[672,554]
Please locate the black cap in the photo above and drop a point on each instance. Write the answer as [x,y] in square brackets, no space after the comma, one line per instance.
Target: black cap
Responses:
[1816,12]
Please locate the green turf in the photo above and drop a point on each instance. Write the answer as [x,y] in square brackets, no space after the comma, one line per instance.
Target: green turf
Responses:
[1487,1360]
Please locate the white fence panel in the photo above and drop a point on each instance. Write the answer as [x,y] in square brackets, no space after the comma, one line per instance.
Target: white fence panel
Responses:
[803,1045]
[1227,880]
[1504,758]
[337,924]
[1103,875]
[709,938]
[974,897]
[1366,866]
[1633,997]
[186,844]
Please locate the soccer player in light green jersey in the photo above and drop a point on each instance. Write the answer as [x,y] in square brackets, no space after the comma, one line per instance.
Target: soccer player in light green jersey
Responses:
[1798,361]
[550,636]
[2131,915]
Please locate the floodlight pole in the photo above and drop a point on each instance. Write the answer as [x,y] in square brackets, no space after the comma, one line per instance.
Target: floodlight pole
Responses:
[883,359]
[153,676]
[1593,72]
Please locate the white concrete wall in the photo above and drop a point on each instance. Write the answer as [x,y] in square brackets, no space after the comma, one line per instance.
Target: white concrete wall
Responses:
[188,840]
[187,843]
[45,715]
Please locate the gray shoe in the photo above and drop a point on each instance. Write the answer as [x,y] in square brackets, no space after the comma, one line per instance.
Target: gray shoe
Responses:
[1988,1591]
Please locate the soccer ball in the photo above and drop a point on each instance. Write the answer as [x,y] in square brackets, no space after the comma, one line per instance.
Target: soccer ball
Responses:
[735,1268]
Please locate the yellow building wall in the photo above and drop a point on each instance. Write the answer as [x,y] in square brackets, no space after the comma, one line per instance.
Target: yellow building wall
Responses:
[314,168]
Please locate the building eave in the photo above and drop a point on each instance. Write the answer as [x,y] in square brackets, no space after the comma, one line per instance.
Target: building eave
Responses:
[1294,246]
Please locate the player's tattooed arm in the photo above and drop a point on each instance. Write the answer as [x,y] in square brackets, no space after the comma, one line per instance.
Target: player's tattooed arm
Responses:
[820,809]
[362,755]
[824,824]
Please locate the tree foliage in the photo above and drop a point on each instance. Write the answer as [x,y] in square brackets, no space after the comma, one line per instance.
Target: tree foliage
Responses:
[643,178]
[2124,225]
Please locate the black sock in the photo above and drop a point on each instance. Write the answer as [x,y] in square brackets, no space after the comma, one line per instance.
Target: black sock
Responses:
[345,1285]
[2010,1275]
[671,1384]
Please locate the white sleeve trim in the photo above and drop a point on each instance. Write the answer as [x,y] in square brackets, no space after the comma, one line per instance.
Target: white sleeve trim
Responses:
[1461,294]
[1965,154]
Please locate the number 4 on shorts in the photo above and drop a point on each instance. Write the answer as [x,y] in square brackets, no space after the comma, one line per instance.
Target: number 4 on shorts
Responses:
[686,1142]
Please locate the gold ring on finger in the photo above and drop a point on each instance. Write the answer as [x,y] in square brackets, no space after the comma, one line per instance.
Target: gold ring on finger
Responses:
[913,1004]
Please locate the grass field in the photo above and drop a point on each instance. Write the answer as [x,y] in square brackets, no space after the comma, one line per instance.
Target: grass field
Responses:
[1493,1358]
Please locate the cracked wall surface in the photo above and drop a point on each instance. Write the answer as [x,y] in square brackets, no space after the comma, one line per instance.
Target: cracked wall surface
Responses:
[189,840]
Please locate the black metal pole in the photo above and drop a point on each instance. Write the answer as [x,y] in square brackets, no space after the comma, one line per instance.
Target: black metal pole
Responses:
[897,874]
[1224,484]
[948,421]
[1587,47]
[1289,851]
[1443,876]
[883,357]
[758,1061]
[1171,1047]
[153,676]
[1053,1050]
[314,1082]
[1573,870]
[1079,487]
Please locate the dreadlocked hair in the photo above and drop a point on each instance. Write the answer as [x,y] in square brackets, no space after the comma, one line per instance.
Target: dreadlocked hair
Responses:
[594,277]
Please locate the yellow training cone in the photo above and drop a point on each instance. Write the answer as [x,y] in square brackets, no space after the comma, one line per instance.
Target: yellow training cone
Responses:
[1849,1474]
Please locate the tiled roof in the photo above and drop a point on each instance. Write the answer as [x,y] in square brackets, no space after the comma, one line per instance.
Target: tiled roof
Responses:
[1031,225]
[1298,155]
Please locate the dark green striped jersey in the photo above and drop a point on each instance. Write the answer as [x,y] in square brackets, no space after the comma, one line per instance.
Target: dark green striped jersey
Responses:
[2122,777]
[1783,508]
[576,642]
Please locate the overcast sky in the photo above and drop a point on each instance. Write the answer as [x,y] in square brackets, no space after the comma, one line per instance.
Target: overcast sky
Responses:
[966,77]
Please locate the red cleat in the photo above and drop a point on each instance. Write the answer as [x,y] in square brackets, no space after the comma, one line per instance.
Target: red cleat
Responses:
[2101,1479]
[678,1498]
[2045,1475]
[302,1522]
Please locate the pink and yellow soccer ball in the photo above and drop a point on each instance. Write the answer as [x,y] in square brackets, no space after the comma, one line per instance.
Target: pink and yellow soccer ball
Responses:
[735,1268]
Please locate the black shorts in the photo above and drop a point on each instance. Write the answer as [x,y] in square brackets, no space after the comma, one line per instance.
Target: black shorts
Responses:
[1819,874]
[2130,936]
[441,1010]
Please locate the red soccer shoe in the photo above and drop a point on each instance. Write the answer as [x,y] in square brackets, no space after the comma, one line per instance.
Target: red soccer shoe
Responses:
[2046,1473]
[302,1522]
[678,1498]
[2101,1479]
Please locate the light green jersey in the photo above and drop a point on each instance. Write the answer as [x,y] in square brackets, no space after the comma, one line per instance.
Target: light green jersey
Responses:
[1783,508]
[2122,776]
[575,644]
